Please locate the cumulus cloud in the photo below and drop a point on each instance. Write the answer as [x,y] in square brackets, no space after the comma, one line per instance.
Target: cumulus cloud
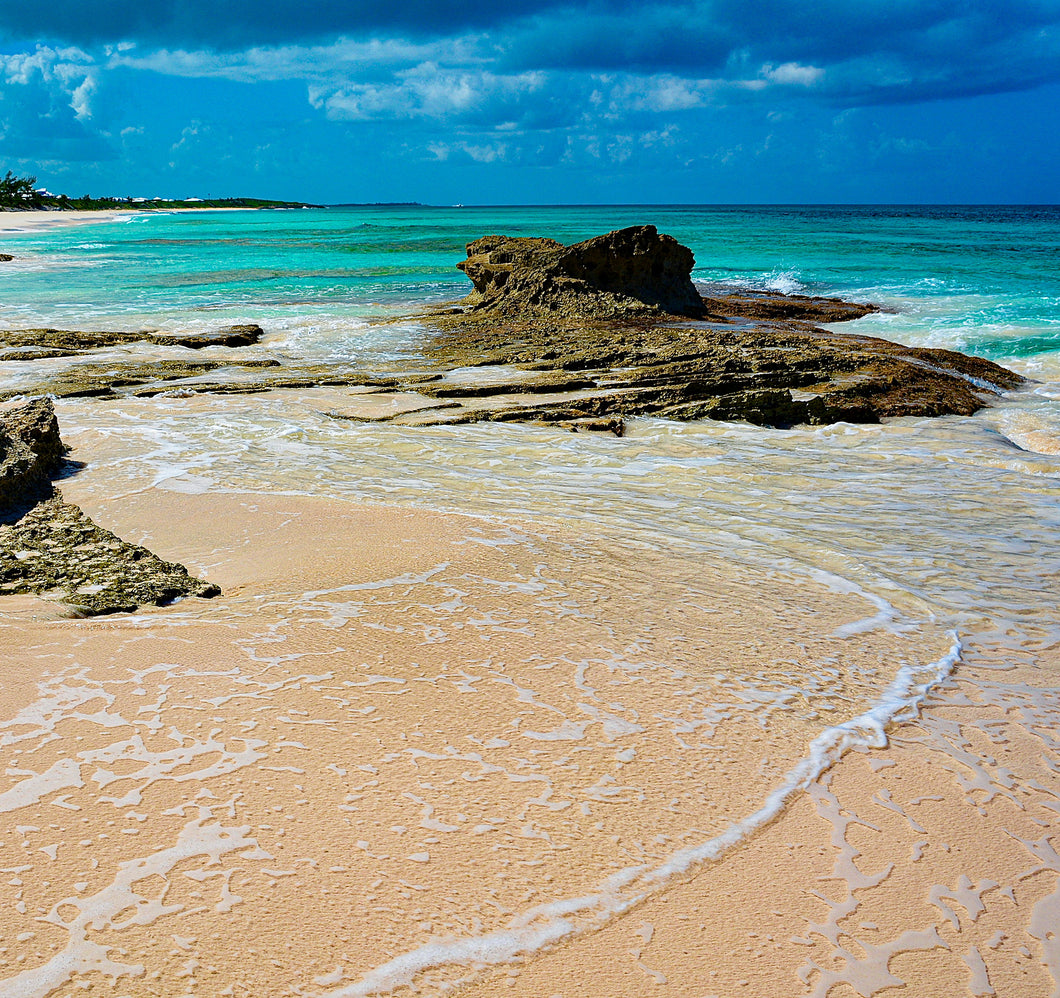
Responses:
[427,90]
[47,95]
[65,71]
[793,74]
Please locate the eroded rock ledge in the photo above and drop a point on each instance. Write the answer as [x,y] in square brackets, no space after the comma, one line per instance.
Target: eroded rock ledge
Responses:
[614,327]
[37,344]
[51,548]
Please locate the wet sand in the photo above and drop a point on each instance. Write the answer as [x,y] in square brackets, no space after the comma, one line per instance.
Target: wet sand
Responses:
[411,746]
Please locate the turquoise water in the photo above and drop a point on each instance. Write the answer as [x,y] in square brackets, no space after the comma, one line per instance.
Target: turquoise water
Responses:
[899,504]
[981,279]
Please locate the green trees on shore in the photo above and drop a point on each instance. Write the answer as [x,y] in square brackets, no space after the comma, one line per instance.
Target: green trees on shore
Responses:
[18,192]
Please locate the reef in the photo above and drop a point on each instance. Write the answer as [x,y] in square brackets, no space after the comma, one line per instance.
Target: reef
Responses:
[49,547]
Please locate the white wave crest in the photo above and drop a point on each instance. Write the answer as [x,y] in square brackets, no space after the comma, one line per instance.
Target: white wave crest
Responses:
[547,924]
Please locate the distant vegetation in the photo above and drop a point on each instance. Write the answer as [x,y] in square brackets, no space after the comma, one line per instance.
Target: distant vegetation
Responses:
[22,194]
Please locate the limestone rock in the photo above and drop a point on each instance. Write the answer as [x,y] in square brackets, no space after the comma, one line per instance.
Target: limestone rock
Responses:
[628,271]
[72,341]
[50,547]
[57,552]
[619,314]
[30,453]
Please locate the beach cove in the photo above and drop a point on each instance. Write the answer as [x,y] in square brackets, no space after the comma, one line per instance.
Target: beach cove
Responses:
[511,710]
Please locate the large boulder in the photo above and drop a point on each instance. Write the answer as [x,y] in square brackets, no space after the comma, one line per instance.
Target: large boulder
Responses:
[622,273]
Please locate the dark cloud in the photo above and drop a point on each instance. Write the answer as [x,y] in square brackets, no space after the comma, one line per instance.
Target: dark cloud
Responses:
[652,37]
[870,50]
[232,24]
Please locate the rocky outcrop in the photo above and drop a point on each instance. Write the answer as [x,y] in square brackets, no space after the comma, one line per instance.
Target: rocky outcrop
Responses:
[583,336]
[6,258]
[614,311]
[30,453]
[28,344]
[51,548]
[623,273]
[773,374]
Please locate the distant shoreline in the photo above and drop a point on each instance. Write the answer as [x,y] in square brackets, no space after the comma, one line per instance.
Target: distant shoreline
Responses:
[34,220]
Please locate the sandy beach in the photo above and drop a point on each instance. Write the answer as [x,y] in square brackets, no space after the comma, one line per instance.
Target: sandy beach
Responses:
[410,748]
[35,221]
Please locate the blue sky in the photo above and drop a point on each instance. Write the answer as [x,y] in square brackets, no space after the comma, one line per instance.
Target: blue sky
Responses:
[585,101]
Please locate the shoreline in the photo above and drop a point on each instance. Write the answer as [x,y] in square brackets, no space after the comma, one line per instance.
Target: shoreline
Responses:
[358,725]
[512,705]
[36,221]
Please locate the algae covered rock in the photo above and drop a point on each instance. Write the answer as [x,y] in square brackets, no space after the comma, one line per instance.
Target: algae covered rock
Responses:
[51,548]
[56,551]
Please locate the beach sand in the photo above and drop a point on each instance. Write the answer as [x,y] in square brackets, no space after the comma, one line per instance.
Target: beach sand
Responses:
[408,741]
[34,221]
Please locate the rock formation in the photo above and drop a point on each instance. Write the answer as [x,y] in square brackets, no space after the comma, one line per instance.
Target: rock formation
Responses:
[51,548]
[615,311]
[61,342]
[584,336]
[30,453]
[623,273]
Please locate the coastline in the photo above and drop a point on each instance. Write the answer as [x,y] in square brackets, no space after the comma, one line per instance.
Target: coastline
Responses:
[513,705]
[36,221]
[357,712]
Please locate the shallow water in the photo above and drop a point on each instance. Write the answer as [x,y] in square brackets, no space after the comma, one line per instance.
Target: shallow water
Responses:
[622,658]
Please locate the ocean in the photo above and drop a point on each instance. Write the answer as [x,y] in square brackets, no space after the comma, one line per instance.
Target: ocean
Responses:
[644,654]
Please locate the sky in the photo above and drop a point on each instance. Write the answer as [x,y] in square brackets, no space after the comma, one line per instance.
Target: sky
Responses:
[543,102]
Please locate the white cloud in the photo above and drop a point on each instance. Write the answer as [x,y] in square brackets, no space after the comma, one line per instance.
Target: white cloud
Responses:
[792,74]
[427,91]
[344,58]
[80,99]
[69,75]
[664,93]
[486,153]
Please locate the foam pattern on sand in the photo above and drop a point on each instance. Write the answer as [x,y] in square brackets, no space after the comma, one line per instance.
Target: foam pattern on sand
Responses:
[441,766]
